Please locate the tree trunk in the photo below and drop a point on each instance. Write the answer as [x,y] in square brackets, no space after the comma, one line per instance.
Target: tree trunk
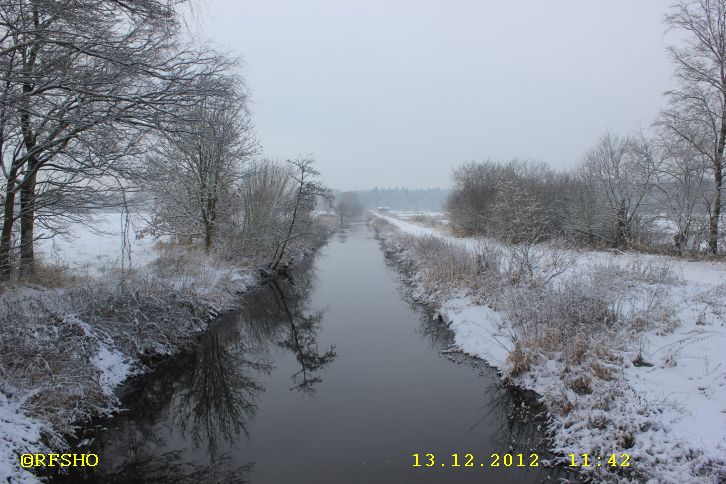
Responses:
[621,228]
[27,222]
[27,189]
[276,261]
[717,177]
[715,215]
[7,231]
[208,237]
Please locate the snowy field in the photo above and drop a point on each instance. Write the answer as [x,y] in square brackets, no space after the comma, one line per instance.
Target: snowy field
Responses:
[668,389]
[98,246]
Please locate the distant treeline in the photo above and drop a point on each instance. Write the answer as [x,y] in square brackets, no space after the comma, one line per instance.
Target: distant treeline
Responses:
[421,199]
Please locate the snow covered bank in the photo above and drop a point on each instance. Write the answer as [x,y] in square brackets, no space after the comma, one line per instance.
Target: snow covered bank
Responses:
[64,350]
[625,350]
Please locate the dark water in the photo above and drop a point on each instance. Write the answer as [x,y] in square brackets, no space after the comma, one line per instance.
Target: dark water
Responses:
[333,379]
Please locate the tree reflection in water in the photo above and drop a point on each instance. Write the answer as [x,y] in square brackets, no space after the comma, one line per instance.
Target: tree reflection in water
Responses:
[219,397]
[278,314]
[185,417]
[302,341]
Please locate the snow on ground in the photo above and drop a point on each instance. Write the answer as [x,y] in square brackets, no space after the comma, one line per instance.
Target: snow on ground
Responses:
[405,215]
[97,246]
[678,404]
[18,433]
[115,368]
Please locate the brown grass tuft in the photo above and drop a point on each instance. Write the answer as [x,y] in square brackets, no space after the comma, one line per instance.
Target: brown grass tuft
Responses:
[520,359]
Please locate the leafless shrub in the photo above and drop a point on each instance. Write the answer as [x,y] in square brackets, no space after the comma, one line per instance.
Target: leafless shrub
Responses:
[555,316]
[144,317]
[637,290]
[536,265]
[46,357]
[640,270]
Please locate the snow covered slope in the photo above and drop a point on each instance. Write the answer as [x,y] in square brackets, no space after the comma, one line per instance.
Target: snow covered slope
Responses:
[663,400]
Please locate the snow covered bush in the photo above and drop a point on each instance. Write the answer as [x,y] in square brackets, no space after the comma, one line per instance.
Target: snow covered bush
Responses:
[566,319]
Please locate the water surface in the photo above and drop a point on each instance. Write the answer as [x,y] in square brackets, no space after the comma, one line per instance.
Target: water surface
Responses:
[334,377]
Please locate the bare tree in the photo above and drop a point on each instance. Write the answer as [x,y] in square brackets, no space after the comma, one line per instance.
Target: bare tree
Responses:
[262,212]
[81,77]
[683,192]
[514,201]
[624,171]
[307,190]
[697,112]
[347,205]
[194,170]
[470,201]
[521,211]
[584,209]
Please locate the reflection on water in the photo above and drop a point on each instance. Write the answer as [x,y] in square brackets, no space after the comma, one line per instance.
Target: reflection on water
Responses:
[218,396]
[301,340]
[322,378]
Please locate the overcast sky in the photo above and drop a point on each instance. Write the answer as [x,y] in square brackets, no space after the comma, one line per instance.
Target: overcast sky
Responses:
[398,92]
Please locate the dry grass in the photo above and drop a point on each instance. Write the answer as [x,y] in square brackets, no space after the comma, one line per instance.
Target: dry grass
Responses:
[427,220]
[601,371]
[520,361]
[52,276]
[581,385]
[443,268]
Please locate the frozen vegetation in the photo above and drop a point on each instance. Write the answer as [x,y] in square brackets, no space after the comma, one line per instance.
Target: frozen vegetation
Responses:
[625,349]
[65,349]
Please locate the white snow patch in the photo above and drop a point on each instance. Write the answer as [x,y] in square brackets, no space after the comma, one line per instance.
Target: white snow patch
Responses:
[478,330]
[113,365]
[18,434]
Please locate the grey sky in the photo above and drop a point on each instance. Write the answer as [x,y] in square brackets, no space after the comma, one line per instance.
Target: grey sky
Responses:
[397,92]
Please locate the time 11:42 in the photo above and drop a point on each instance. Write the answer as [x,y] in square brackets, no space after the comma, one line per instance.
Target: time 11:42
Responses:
[586,460]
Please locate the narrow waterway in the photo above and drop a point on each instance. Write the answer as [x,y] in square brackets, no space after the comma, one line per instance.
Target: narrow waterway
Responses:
[333,378]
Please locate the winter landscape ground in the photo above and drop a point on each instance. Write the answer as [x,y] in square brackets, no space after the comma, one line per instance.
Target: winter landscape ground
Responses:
[122,302]
[625,349]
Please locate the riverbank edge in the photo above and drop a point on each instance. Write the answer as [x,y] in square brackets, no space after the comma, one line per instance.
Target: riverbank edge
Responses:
[386,233]
[32,426]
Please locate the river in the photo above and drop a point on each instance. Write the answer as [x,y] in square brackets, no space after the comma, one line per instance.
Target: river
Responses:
[333,377]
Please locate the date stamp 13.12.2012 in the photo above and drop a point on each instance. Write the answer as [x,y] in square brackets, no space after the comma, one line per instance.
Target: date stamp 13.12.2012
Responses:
[516,460]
